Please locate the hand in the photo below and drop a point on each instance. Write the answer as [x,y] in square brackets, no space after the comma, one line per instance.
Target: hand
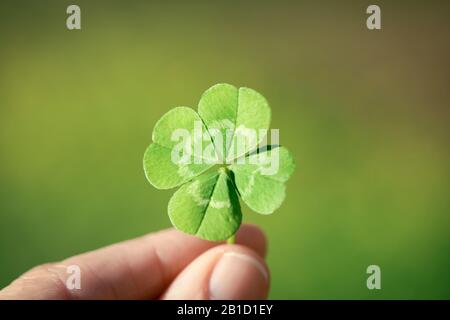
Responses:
[163,265]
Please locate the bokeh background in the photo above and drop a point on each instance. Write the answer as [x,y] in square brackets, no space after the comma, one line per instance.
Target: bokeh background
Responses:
[365,113]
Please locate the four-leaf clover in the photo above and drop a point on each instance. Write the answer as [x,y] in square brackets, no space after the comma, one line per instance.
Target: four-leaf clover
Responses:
[207,203]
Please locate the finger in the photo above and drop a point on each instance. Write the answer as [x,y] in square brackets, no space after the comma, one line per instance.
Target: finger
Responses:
[135,269]
[253,237]
[224,272]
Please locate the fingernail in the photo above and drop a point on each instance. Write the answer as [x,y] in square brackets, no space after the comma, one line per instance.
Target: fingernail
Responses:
[238,276]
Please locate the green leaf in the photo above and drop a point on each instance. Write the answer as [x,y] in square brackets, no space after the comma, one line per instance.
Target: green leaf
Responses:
[231,111]
[261,188]
[218,108]
[207,207]
[159,166]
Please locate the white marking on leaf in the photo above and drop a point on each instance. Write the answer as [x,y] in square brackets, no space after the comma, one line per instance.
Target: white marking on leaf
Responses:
[249,187]
[184,171]
[251,181]
[220,204]
[194,191]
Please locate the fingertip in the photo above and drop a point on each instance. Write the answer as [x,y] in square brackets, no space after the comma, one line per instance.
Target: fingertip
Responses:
[240,273]
[224,272]
[253,237]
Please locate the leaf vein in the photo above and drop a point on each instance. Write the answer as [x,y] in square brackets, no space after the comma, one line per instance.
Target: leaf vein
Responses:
[207,205]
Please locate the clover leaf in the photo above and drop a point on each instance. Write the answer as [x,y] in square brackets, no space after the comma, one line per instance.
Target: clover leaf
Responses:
[227,132]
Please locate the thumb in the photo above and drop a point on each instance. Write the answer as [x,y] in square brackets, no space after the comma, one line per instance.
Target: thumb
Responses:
[224,272]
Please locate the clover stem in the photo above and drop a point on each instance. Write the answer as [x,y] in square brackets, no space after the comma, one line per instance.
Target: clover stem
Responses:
[232,239]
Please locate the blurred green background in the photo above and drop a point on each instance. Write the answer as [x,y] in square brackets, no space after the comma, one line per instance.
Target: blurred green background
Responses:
[365,114]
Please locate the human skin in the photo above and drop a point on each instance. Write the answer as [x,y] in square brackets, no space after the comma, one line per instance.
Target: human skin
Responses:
[163,265]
